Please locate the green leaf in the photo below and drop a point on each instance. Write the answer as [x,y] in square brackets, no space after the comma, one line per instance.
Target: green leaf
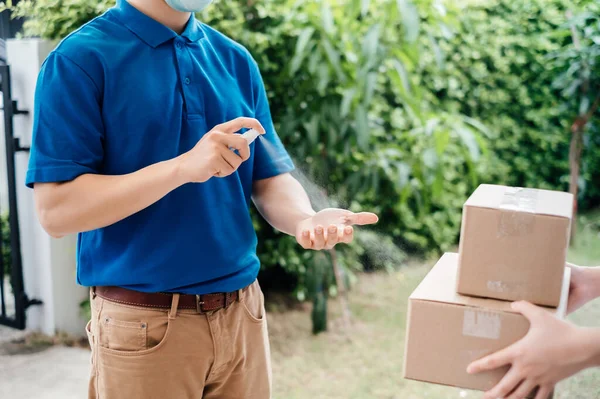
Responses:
[440,8]
[437,187]
[303,39]
[371,41]
[327,17]
[430,126]
[301,53]
[442,139]
[370,86]
[362,127]
[437,52]
[347,97]
[478,125]
[468,139]
[430,158]
[584,105]
[410,19]
[314,61]
[364,7]
[401,70]
[403,174]
[312,129]
[324,75]
[334,59]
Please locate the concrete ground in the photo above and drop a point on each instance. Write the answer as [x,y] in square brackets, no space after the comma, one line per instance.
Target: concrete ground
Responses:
[57,372]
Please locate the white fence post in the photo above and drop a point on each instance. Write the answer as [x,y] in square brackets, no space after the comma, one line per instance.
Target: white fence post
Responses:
[48,264]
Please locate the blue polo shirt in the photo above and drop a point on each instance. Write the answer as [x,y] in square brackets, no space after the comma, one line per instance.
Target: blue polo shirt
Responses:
[124,92]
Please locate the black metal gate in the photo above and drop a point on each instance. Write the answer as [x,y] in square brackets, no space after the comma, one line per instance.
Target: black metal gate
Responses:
[13,299]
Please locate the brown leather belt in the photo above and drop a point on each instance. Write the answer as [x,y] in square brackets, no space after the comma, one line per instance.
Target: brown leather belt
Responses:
[201,303]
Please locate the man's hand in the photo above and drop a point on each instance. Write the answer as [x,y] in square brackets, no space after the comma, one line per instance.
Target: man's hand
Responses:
[585,286]
[330,226]
[552,350]
[213,155]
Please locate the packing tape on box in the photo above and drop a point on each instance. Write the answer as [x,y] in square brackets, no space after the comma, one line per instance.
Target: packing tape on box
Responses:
[505,286]
[517,212]
[481,324]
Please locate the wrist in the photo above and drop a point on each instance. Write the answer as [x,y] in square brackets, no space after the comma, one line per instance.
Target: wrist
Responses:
[178,171]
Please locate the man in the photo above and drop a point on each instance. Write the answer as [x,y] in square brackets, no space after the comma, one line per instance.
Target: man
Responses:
[552,350]
[134,147]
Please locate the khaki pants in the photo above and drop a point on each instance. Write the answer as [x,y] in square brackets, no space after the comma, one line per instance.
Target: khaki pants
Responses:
[180,354]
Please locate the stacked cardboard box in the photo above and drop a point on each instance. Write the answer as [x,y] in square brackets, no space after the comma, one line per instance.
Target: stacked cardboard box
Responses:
[513,247]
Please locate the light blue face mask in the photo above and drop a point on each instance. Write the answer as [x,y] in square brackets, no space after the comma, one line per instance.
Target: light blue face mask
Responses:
[188,5]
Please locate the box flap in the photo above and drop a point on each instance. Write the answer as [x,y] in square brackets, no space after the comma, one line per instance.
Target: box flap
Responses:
[439,286]
[543,202]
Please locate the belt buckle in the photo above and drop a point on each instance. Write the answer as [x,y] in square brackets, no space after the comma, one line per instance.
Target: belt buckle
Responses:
[199,303]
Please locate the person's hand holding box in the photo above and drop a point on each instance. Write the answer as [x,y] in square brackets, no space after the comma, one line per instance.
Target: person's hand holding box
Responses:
[552,350]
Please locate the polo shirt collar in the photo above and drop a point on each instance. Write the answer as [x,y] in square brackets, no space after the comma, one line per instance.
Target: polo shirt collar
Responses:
[151,31]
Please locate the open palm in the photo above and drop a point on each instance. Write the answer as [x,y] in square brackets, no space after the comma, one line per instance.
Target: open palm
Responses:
[331,226]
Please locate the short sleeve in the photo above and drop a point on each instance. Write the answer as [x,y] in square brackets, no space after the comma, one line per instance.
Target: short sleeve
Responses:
[68,132]
[270,157]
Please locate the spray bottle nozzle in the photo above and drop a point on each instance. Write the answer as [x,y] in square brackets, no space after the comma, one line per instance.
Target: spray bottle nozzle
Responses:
[251,135]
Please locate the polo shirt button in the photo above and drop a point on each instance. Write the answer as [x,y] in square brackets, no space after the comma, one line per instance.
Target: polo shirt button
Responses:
[178,44]
[187,81]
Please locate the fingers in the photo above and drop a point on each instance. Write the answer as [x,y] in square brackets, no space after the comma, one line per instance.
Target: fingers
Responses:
[543,393]
[332,237]
[319,239]
[222,168]
[240,123]
[304,239]
[362,218]
[491,362]
[325,239]
[528,310]
[348,235]
[232,159]
[244,151]
[235,141]
[505,386]
[523,390]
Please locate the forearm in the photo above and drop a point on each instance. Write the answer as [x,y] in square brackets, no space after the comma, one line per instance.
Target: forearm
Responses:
[282,201]
[590,346]
[593,274]
[94,201]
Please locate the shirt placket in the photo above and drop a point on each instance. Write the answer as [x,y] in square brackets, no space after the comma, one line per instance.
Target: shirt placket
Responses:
[192,96]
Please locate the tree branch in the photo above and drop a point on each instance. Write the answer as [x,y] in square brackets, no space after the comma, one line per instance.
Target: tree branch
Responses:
[582,120]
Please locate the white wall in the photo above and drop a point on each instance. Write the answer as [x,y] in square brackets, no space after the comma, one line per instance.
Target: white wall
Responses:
[48,264]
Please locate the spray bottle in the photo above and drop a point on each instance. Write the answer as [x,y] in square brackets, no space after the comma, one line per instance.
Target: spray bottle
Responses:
[251,135]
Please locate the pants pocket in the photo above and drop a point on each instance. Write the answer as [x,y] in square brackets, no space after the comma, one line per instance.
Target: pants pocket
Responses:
[253,303]
[123,335]
[130,330]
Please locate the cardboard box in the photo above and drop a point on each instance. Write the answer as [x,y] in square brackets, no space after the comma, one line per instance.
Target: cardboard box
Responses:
[446,331]
[513,244]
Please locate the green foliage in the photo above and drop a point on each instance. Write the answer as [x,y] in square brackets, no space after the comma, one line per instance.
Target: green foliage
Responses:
[350,108]
[578,62]
[55,19]
[85,310]
[499,72]
[577,70]
[396,106]
[350,105]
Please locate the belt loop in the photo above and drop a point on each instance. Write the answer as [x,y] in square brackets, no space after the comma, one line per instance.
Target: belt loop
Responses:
[174,306]
[240,294]
[93,292]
